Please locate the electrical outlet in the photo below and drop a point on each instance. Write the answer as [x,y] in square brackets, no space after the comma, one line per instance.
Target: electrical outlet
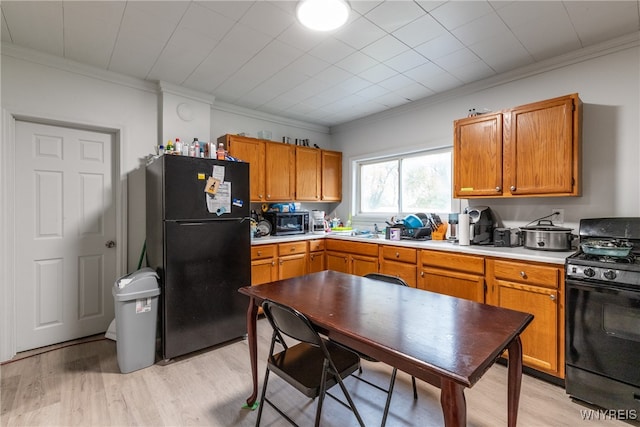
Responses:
[558,216]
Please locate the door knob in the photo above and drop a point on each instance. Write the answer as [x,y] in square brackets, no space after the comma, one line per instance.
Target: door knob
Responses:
[110,244]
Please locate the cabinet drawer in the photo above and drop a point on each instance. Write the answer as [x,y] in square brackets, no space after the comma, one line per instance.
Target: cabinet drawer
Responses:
[292,248]
[397,253]
[316,245]
[526,273]
[406,272]
[453,261]
[370,249]
[263,251]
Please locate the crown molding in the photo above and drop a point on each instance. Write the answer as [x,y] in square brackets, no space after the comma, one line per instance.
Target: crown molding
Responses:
[258,115]
[166,87]
[68,65]
[628,41]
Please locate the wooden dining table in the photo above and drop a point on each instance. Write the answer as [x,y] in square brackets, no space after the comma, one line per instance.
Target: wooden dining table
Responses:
[448,342]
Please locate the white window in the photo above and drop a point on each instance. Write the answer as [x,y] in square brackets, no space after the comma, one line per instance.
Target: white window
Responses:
[404,184]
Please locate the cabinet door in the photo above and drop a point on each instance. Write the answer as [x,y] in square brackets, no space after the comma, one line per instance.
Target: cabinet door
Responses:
[263,271]
[477,156]
[337,261]
[316,262]
[540,339]
[280,171]
[292,266]
[361,265]
[331,176]
[308,172]
[250,150]
[452,283]
[405,271]
[541,143]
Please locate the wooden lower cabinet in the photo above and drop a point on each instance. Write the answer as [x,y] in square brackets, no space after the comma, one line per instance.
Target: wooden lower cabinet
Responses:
[352,257]
[264,267]
[316,256]
[292,259]
[400,262]
[536,289]
[457,275]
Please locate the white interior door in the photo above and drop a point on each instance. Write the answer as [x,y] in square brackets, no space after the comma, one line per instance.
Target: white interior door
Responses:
[65,254]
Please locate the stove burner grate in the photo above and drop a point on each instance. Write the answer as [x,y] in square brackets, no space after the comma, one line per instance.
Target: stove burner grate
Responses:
[629,259]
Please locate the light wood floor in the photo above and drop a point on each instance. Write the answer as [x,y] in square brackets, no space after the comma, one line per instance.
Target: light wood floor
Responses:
[82,385]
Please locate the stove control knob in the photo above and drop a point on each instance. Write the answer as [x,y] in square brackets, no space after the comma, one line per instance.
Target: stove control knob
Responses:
[589,272]
[610,274]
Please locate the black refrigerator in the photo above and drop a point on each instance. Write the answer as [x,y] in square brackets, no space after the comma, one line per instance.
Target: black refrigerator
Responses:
[197,213]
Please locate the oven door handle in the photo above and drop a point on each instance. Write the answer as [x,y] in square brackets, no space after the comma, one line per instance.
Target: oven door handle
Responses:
[603,288]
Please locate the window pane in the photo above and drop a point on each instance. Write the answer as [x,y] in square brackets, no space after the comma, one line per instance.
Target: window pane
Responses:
[426,183]
[379,187]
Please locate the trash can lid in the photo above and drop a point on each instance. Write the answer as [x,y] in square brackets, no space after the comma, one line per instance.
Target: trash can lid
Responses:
[144,279]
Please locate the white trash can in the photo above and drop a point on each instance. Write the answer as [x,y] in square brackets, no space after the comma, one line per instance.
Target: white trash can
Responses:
[136,308]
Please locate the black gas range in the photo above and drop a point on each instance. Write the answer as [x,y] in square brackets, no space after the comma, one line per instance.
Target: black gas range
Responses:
[602,348]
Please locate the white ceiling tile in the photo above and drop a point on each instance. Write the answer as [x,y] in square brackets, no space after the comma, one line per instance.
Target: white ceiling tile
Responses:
[205,22]
[177,62]
[391,100]
[485,27]
[154,19]
[439,47]
[519,13]
[6,37]
[413,92]
[364,6]
[503,52]
[443,82]
[301,38]
[591,19]
[456,59]
[332,50]
[372,92]
[429,5]
[406,61]
[385,48]
[307,65]
[360,33]
[558,36]
[353,85]
[378,73]
[391,15]
[456,13]
[471,72]
[333,74]
[420,31]
[396,82]
[266,18]
[232,9]
[36,25]
[356,62]
[135,54]
[90,38]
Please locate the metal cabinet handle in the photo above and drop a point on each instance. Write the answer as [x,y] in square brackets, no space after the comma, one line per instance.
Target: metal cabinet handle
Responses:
[553,297]
[397,255]
[259,253]
[293,249]
[498,189]
[513,188]
[260,196]
[523,274]
[273,263]
[110,244]
[422,274]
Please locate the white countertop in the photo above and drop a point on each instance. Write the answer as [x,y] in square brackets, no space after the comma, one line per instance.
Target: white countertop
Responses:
[519,253]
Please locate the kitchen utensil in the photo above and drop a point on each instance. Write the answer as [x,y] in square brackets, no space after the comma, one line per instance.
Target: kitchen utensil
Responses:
[412,221]
[547,237]
[611,248]
[263,228]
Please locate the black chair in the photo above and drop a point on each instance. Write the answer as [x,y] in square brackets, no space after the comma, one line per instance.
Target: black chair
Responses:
[397,281]
[312,366]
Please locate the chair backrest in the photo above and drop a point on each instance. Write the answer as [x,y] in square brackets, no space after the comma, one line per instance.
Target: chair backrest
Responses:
[386,278]
[290,322]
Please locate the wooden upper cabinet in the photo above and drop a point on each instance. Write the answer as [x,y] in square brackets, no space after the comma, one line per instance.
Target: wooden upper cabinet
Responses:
[249,150]
[308,173]
[541,148]
[527,151]
[477,156]
[280,172]
[331,176]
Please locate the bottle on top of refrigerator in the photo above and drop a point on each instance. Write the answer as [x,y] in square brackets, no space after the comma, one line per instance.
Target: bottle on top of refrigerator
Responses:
[196,147]
[169,147]
[220,152]
[178,146]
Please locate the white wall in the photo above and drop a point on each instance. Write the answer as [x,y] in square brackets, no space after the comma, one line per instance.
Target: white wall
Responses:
[608,82]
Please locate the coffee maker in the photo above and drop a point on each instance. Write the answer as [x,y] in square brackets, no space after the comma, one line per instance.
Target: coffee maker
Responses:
[481,223]
[318,224]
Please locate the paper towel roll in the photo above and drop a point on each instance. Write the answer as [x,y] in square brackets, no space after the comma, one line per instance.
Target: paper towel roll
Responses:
[463,229]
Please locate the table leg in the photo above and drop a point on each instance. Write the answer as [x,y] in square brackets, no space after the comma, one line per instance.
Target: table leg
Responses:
[252,313]
[515,380]
[454,405]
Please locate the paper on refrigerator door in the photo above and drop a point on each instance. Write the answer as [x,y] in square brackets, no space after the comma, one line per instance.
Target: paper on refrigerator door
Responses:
[220,202]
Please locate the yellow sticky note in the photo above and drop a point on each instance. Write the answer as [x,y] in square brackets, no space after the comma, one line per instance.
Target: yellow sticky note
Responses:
[201,176]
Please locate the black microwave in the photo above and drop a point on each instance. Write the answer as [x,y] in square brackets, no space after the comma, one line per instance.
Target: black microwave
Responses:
[284,223]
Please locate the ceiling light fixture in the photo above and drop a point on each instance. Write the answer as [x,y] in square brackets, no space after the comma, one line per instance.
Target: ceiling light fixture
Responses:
[322,15]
